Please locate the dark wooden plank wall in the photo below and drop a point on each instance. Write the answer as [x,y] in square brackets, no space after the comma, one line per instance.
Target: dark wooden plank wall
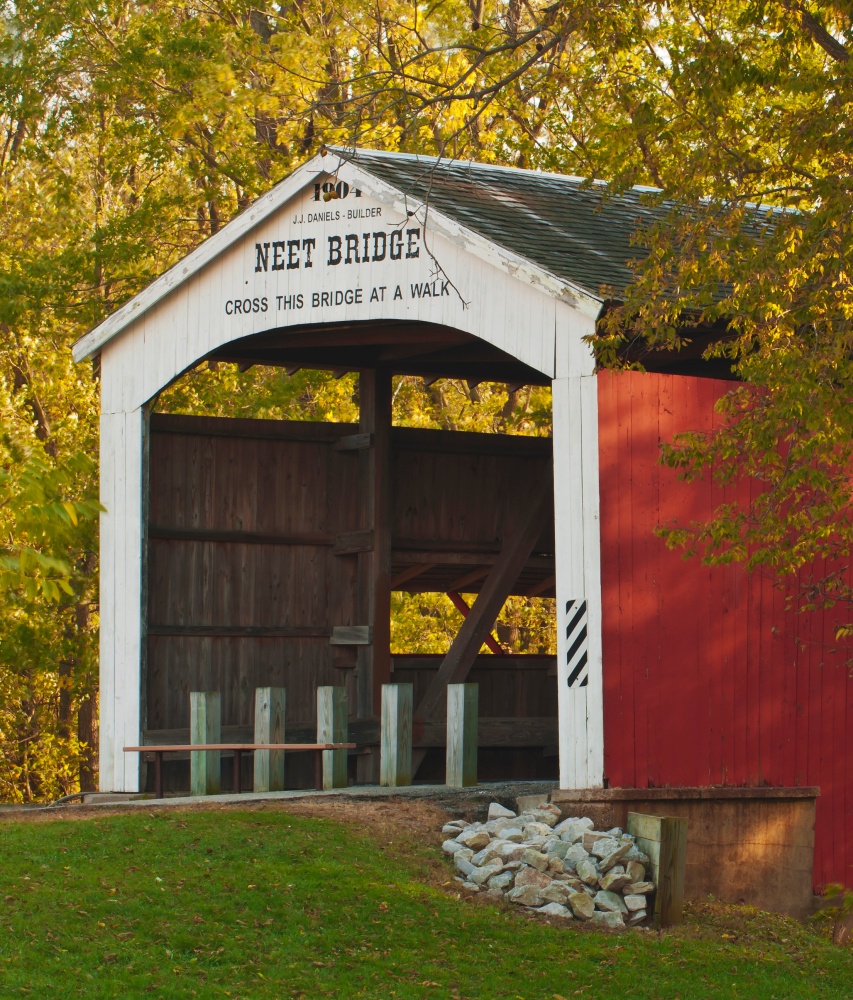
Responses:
[244,582]
[708,680]
[462,489]
[512,687]
[296,489]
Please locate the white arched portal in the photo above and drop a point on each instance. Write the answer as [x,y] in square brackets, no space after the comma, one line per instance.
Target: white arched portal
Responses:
[365,253]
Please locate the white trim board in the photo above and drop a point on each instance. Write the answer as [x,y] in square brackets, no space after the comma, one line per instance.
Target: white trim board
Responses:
[580,681]
[121,634]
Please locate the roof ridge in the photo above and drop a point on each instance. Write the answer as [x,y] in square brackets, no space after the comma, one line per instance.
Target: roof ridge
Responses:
[352,153]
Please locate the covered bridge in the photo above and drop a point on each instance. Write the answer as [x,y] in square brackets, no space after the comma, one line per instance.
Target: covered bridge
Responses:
[239,553]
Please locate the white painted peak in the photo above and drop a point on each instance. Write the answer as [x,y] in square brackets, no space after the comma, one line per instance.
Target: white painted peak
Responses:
[205,253]
[267,204]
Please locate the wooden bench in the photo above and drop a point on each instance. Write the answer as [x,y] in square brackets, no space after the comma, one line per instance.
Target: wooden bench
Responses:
[238,749]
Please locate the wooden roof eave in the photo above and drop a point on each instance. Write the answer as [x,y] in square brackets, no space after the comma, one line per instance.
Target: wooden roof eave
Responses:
[690,358]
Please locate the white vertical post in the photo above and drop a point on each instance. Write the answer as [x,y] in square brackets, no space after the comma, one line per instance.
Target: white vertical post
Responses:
[332,727]
[395,760]
[121,609]
[205,727]
[269,728]
[462,731]
[578,558]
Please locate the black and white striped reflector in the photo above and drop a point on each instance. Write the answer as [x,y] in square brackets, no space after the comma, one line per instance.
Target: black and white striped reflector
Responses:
[576,642]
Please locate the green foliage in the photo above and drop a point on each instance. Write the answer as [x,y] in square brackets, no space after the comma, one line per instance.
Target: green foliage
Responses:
[261,904]
[736,110]
[40,524]
[263,394]
[839,914]
[428,623]
[47,524]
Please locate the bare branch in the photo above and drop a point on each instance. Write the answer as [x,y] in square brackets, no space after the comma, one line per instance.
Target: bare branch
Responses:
[824,39]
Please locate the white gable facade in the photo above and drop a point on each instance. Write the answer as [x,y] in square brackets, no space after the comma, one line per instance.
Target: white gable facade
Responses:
[334,244]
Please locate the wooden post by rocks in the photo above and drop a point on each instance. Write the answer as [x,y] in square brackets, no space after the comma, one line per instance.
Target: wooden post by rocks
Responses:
[269,728]
[205,727]
[664,839]
[395,766]
[332,728]
[462,724]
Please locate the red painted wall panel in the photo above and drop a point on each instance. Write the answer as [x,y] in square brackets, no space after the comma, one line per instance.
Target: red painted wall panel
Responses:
[707,679]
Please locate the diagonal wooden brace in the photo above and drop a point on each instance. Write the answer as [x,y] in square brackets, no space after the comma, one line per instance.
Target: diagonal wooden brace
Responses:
[463,651]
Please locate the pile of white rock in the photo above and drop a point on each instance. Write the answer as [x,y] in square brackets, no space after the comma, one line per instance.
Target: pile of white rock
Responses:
[558,868]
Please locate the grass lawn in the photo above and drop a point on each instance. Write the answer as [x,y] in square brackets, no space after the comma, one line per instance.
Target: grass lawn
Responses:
[261,903]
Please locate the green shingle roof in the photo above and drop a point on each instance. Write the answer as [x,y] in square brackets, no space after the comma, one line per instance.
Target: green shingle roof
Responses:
[575,230]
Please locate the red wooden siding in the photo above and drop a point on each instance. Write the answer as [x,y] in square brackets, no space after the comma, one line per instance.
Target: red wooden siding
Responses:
[707,679]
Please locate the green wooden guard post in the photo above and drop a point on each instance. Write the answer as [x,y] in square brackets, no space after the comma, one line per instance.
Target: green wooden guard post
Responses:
[206,747]
[664,839]
[462,726]
[395,761]
[269,728]
[205,727]
[332,727]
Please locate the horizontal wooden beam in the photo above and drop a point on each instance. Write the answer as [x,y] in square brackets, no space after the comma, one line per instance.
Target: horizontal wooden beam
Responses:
[413,363]
[414,439]
[241,631]
[244,427]
[410,574]
[237,745]
[463,556]
[437,551]
[488,546]
[485,661]
[360,334]
[471,443]
[508,733]
[237,536]
[354,442]
[549,583]
[351,635]
[480,573]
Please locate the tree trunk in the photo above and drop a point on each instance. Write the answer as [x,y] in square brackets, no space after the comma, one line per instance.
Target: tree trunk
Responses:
[87,715]
[87,732]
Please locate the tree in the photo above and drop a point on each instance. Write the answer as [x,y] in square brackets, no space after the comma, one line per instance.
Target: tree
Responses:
[47,519]
[737,111]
